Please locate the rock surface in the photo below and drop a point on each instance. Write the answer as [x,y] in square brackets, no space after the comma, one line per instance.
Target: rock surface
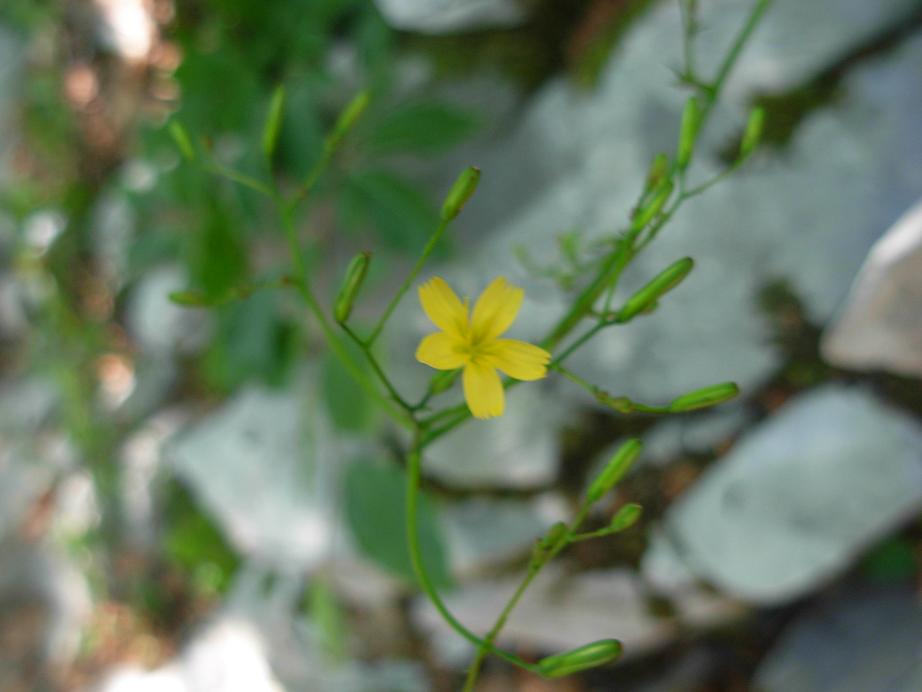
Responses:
[796,500]
[446,16]
[881,324]
[257,465]
[861,641]
[561,611]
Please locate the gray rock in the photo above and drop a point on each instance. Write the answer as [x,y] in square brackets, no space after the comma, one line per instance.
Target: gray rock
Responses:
[482,531]
[446,16]
[881,323]
[796,500]
[161,327]
[560,611]
[266,452]
[520,449]
[862,641]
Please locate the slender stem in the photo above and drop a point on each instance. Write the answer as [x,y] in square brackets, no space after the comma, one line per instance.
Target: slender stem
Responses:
[533,570]
[238,177]
[336,345]
[378,370]
[414,461]
[411,277]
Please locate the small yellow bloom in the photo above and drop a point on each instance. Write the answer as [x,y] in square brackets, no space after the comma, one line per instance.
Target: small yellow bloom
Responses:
[473,342]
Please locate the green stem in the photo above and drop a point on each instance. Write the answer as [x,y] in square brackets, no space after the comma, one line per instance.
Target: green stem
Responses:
[336,345]
[239,178]
[414,461]
[378,370]
[411,277]
[534,569]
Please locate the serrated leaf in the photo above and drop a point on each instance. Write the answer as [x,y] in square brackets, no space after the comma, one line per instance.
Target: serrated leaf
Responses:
[374,502]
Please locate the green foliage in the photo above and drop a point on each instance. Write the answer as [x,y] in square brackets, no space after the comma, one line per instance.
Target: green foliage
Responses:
[402,216]
[420,127]
[253,341]
[375,498]
[349,408]
[194,544]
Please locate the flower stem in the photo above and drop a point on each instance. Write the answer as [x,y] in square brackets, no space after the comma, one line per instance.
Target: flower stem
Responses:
[408,281]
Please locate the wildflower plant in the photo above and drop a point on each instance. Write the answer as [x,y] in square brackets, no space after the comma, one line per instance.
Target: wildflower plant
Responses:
[471,341]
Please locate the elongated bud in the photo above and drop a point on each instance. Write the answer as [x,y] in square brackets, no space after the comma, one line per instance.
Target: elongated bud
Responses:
[443,380]
[347,119]
[753,134]
[588,656]
[659,169]
[626,517]
[661,284]
[460,192]
[617,466]
[691,121]
[182,140]
[647,213]
[273,125]
[703,398]
[352,283]
[191,299]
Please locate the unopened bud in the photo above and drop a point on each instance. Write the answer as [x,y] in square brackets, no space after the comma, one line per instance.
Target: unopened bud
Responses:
[626,517]
[347,119]
[691,121]
[460,192]
[646,214]
[753,134]
[352,283]
[703,398]
[614,471]
[182,140]
[273,124]
[659,169]
[646,298]
[442,381]
[588,656]
[190,299]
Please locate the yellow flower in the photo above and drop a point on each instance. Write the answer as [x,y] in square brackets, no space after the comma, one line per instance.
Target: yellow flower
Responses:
[473,342]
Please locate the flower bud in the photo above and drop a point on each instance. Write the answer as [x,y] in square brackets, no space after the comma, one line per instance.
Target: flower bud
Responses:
[626,517]
[646,214]
[189,299]
[273,125]
[460,192]
[647,297]
[352,283]
[659,169]
[617,466]
[587,656]
[753,134]
[182,141]
[691,121]
[442,381]
[347,119]
[705,397]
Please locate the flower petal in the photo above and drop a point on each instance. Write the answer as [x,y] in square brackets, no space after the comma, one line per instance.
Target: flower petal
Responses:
[443,307]
[518,359]
[483,390]
[440,351]
[496,309]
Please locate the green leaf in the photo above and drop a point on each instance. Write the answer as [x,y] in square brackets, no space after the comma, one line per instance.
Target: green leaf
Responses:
[374,502]
[422,127]
[401,214]
[349,406]
[253,341]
